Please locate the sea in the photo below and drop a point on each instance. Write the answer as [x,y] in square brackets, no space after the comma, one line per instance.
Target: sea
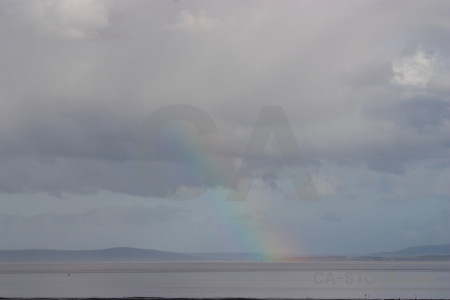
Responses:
[306,279]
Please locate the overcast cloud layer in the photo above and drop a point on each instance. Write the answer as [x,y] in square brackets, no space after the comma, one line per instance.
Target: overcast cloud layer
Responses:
[365,86]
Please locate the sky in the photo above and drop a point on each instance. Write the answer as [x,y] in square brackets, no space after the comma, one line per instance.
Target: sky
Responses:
[278,127]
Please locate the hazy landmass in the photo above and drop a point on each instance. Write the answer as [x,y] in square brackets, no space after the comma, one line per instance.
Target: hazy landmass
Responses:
[111,254]
[427,252]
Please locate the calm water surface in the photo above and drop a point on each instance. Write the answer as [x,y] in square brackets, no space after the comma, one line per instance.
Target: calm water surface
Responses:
[228,279]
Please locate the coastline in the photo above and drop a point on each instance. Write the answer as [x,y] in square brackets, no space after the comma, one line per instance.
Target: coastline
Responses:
[210,298]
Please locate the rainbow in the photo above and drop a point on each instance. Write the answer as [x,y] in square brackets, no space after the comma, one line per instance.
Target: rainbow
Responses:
[237,233]
[244,235]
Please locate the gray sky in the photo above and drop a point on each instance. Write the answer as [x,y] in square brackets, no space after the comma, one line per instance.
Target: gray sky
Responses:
[364,86]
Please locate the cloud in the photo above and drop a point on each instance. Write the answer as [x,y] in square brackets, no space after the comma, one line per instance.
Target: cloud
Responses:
[65,19]
[419,113]
[187,21]
[325,184]
[137,215]
[72,113]
[415,70]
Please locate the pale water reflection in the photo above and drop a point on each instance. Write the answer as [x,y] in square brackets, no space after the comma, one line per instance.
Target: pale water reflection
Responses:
[212,279]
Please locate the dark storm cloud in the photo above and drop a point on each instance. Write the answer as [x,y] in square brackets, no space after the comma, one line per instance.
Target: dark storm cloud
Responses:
[86,176]
[421,113]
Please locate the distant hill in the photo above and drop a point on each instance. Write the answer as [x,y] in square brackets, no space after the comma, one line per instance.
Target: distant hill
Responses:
[111,254]
[427,250]
[118,254]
